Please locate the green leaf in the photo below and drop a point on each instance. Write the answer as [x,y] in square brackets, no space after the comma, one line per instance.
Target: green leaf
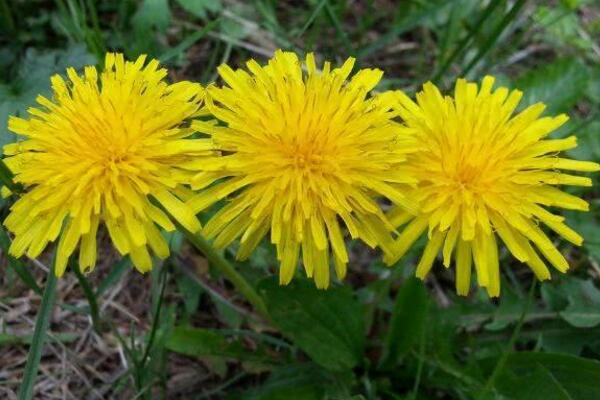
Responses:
[584,305]
[199,8]
[33,79]
[198,342]
[530,375]
[560,337]
[295,381]
[153,14]
[576,300]
[541,384]
[559,85]
[509,310]
[42,323]
[408,320]
[327,324]
[190,291]
[587,223]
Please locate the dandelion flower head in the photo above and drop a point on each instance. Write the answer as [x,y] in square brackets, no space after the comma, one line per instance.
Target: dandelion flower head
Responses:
[484,172]
[108,148]
[303,153]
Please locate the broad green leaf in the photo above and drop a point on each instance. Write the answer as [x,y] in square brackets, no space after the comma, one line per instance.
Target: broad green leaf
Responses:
[576,300]
[561,27]
[593,89]
[408,319]
[199,8]
[152,14]
[560,337]
[190,291]
[584,305]
[296,381]
[327,324]
[541,384]
[587,223]
[33,79]
[508,311]
[559,85]
[530,375]
[198,342]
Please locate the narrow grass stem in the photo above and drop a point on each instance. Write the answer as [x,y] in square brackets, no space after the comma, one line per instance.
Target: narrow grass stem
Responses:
[217,260]
[6,178]
[156,316]
[508,18]
[467,39]
[90,296]
[39,336]
[509,348]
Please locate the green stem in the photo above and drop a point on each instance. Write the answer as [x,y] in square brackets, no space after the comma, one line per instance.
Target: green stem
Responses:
[415,391]
[6,178]
[156,317]
[8,16]
[509,348]
[39,336]
[90,296]
[466,40]
[217,260]
[508,18]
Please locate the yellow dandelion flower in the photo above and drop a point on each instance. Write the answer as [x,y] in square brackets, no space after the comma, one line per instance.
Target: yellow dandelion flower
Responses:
[483,172]
[301,152]
[104,149]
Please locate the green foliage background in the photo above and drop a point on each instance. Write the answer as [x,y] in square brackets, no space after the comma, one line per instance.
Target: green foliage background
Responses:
[380,334]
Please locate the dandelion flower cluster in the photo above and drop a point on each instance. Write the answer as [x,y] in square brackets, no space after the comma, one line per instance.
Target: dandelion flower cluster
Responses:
[485,171]
[108,148]
[295,153]
[301,152]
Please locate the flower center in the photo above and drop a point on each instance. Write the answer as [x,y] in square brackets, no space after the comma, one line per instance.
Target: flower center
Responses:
[469,177]
[305,156]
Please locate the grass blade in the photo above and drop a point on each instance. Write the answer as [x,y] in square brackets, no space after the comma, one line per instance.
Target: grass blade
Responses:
[217,260]
[467,39]
[489,384]
[24,274]
[6,178]
[508,18]
[39,337]
[115,274]
[189,41]
[90,296]
[311,19]
[338,27]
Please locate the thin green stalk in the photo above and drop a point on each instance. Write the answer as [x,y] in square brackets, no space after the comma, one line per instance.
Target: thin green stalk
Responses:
[415,390]
[156,317]
[509,348]
[189,41]
[39,336]
[467,39]
[217,260]
[6,178]
[508,18]
[90,296]
[8,16]
[338,27]
[311,19]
